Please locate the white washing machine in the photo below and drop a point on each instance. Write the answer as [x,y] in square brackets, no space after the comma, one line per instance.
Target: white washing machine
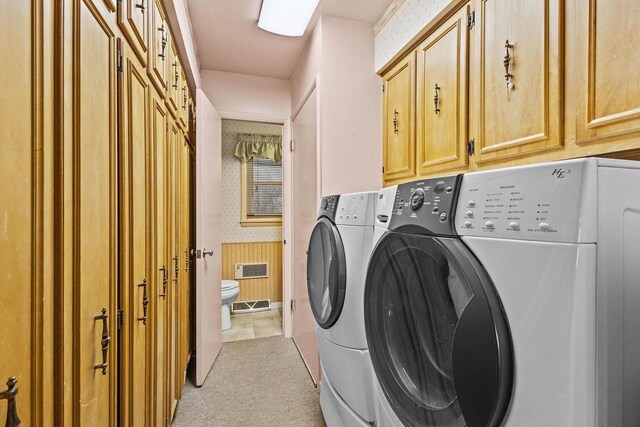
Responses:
[337,257]
[521,312]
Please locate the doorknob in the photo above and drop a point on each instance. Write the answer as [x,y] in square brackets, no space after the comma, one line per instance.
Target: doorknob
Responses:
[206,252]
[10,396]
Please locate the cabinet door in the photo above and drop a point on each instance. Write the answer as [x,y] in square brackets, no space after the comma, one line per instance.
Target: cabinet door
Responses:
[133,20]
[22,299]
[184,100]
[399,120]
[94,194]
[134,244]
[159,134]
[186,260]
[159,47]
[173,293]
[606,71]
[173,79]
[442,97]
[518,68]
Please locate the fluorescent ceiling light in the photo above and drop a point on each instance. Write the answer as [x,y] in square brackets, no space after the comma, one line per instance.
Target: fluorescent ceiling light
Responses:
[286,17]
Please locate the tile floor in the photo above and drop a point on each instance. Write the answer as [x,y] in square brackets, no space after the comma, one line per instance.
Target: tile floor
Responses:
[254,325]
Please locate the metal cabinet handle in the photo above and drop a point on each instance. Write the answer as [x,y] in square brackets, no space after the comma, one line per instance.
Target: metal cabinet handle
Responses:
[184,97]
[176,269]
[10,396]
[436,99]
[507,64]
[395,121]
[164,281]
[145,301]
[164,40]
[106,339]
[206,252]
[187,260]
[175,75]
[140,6]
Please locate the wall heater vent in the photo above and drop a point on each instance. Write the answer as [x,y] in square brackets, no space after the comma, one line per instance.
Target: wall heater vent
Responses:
[251,270]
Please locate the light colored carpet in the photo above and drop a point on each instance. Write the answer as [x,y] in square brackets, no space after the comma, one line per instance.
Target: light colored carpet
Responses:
[258,382]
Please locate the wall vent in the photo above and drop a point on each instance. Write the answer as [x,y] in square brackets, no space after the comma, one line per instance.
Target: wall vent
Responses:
[251,270]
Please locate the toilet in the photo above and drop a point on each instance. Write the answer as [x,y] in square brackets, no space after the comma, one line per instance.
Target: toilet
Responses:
[230,291]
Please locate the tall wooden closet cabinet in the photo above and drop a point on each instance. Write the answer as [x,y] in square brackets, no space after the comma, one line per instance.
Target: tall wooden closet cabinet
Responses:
[95,214]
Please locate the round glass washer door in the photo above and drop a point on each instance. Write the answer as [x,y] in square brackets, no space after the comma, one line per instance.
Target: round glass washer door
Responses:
[437,334]
[326,273]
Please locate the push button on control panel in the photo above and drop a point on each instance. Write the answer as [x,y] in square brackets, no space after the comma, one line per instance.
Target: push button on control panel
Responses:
[489,224]
[471,204]
[514,225]
[469,214]
[544,226]
[467,224]
[443,216]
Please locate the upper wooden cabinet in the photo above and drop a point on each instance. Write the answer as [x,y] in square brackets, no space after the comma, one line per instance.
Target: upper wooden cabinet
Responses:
[133,19]
[442,116]
[160,44]
[399,120]
[518,70]
[607,74]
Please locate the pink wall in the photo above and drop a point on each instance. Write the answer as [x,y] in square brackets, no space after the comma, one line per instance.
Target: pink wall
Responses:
[342,52]
[252,97]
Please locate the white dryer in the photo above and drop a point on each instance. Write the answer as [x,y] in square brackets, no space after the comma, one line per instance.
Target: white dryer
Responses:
[521,312]
[339,248]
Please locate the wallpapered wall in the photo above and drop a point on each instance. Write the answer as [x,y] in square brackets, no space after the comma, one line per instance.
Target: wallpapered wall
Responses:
[409,19]
[232,231]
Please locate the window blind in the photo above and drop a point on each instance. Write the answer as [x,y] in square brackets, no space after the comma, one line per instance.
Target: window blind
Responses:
[264,187]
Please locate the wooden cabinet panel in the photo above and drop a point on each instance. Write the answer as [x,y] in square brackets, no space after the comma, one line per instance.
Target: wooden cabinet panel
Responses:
[159,35]
[22,212]
[173,79]
[133,20]
[525,37]
[606,71]
[95,225]
[159,145]
[442,113]
[134,243]
[399,120]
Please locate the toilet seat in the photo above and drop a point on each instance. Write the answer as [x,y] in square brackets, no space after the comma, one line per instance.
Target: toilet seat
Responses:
[229,284]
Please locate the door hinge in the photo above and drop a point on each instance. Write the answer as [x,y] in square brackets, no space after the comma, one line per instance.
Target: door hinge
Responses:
[284,242]
[382,87]
[292,145]
[383,169]
[119,59]
[471,147]
[166,125]
[120,318]
[293,306]
[471,20]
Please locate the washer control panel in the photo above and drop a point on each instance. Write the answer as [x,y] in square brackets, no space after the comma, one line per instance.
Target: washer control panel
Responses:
[541,202]
[356,209]
[328,207]
[426,206]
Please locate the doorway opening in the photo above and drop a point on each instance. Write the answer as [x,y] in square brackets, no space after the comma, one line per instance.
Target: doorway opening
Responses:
[252,209]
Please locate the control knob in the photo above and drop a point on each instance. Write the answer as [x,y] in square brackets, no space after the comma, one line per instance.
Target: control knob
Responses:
[417,199]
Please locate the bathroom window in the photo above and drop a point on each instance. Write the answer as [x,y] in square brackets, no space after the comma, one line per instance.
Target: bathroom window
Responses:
[261,193]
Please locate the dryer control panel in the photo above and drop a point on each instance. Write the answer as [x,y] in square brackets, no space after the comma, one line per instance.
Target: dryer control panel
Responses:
[356,209]
[426,206]
[554,202]
[328,207]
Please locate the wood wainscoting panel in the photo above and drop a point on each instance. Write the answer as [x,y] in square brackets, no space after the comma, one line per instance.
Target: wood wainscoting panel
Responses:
[253,289]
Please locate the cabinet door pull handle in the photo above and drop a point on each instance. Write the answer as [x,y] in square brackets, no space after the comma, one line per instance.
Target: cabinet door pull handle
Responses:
[507,64]
[140,6]
[176,269]
[10,396]
[164,40]
[145,301]
[436,99]
[187,260]
[395,121]
[164,281]
[106,339]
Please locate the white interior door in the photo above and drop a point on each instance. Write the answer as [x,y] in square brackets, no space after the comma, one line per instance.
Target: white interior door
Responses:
[208,236]
[305,208]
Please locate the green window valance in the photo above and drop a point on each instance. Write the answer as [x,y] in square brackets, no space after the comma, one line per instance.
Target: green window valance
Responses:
[258,145]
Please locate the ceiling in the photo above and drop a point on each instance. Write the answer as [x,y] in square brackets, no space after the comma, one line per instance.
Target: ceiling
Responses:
[227,36]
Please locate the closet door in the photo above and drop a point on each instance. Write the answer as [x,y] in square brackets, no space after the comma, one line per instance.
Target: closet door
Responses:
[159,134]
[21,219]
[173,245]
[135,338]
[185,152]
[93,270]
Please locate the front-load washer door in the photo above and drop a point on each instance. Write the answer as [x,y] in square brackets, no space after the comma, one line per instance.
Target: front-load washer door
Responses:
[437,334]
[326,273]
